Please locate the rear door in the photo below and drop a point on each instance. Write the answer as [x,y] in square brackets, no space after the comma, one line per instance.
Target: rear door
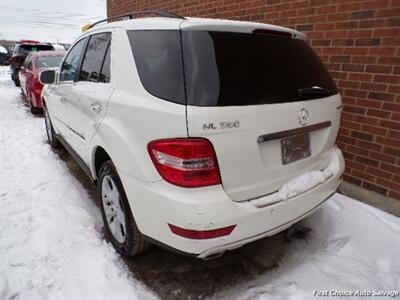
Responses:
[266,103]
[89,97]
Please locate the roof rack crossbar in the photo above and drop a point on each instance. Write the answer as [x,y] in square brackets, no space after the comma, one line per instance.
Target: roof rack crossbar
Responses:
[137,13]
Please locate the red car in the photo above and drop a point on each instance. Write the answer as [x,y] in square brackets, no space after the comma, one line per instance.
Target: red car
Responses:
[34,63]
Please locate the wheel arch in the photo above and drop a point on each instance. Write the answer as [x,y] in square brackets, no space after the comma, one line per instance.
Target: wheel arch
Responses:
[126,149]
[99,156]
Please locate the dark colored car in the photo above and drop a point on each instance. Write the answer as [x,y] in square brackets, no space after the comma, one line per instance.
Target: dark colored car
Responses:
[35,63]
[4,56]
[19,54]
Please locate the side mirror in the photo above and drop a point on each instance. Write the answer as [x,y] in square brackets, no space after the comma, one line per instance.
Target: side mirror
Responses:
[47,77]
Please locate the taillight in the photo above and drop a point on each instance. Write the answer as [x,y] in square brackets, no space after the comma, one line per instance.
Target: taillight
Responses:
[186,162]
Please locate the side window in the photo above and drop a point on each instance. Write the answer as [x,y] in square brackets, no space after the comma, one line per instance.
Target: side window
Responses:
[72,61]
[27,61]
[105,71]
[94,57]
[29,66]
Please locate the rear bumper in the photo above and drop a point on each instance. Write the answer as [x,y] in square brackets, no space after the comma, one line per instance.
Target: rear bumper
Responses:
[155,205]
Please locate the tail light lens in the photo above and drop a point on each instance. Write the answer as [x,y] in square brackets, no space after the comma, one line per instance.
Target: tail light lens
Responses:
[203,234]
[185,162]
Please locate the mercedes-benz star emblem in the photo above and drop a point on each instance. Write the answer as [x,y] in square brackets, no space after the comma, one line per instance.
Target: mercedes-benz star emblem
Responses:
[303,116]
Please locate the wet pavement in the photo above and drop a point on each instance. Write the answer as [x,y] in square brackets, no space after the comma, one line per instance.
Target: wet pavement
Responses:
[173,276]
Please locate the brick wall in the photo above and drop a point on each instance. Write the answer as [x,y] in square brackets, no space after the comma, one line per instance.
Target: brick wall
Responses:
[359,41]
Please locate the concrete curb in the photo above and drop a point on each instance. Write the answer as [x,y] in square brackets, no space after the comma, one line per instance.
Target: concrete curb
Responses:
[382,202]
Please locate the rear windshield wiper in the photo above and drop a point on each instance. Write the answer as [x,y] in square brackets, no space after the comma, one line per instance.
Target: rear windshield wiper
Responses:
[315,90]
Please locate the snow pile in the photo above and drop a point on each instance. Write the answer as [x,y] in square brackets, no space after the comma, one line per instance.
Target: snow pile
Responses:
[296,186]
[303,183]
[352,246]
[51,245]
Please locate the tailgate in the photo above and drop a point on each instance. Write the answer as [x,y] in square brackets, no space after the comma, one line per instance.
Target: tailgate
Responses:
[247,141]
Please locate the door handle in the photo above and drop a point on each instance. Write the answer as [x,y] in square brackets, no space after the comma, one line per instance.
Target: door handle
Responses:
[96,107]
[63,99]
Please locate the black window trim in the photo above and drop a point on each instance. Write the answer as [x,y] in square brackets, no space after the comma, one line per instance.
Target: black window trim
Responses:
[104,59]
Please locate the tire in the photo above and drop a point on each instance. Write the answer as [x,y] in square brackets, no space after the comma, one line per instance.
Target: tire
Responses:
[32,109]
[16,81]
[35,110]
[119,222]
[51,135]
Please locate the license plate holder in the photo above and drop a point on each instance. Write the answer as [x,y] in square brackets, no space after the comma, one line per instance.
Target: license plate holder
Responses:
[295,147]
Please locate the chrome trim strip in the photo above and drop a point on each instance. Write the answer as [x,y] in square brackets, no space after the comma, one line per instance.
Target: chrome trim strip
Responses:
[74,131]
[291,132]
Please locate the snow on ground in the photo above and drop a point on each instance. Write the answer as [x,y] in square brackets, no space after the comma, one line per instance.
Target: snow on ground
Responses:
[352,247]
[51,245]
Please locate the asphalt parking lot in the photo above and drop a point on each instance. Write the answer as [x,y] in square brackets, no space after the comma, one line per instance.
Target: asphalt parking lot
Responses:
[173,276]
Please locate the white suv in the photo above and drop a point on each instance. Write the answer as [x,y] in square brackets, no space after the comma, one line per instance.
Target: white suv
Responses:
[201,135]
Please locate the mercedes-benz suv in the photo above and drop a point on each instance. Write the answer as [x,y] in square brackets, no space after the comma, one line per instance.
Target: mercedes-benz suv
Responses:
[201,135]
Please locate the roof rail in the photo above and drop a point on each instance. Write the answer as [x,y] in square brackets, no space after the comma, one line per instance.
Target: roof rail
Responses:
[137,13]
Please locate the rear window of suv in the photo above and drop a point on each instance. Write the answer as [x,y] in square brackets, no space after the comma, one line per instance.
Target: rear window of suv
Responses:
[25,49]
[227,68]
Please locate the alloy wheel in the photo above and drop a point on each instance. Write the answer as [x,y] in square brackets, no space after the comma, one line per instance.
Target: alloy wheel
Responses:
[113,209]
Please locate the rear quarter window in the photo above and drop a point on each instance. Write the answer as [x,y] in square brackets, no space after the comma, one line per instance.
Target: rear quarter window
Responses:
[158,59]
[94,57]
